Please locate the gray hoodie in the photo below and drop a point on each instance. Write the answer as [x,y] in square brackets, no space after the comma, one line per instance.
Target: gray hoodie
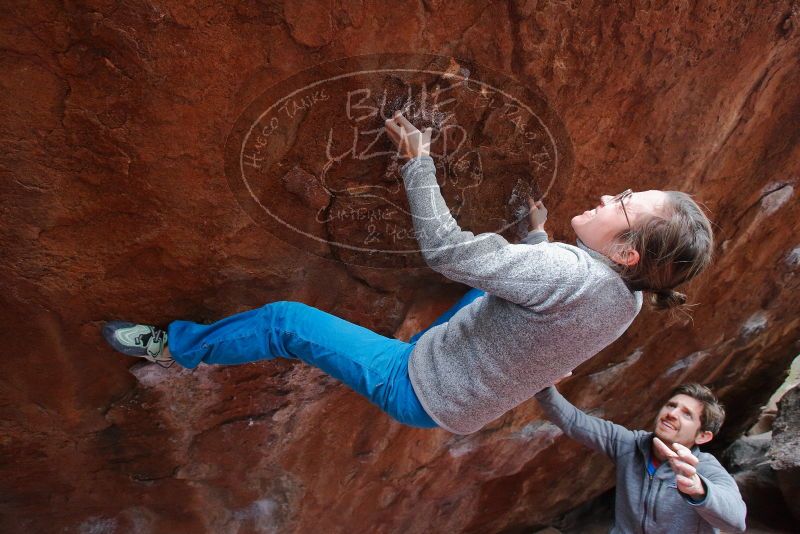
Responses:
[550,306]
[645,503]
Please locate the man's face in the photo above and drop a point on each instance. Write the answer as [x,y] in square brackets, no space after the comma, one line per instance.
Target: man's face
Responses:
[678,421]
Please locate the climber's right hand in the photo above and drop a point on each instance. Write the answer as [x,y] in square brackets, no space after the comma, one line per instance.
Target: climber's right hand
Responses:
[410,142]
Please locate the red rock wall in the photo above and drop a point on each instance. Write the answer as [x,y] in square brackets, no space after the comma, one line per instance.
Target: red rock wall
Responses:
[115,205]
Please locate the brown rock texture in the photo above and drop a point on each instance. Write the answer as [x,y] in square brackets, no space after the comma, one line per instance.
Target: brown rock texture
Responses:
[747,461]
[784,451]
[116,204]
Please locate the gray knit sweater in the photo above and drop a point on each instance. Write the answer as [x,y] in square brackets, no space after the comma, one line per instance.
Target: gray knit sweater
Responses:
[550,306]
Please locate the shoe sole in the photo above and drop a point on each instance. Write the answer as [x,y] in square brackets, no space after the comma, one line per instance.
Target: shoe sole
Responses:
[109,330]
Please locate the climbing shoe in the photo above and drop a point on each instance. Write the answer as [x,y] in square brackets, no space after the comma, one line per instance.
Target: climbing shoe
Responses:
[139,340]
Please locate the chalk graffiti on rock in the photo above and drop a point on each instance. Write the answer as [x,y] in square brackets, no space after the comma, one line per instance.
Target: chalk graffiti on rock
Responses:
[312,155]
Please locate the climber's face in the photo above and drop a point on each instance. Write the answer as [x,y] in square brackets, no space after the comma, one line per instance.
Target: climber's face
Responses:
[598,228]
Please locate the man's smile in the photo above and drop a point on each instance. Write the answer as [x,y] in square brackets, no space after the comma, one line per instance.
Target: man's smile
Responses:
[668,425]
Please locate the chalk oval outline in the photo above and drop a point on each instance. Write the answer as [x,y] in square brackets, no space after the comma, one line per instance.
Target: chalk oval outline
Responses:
[557,159]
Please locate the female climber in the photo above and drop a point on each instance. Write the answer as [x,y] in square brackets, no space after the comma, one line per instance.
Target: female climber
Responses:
[538,309]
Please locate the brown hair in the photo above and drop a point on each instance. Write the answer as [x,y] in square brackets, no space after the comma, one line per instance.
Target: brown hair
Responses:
[673,248]
[713,413]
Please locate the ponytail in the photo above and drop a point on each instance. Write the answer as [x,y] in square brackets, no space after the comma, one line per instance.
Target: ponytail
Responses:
[666,299]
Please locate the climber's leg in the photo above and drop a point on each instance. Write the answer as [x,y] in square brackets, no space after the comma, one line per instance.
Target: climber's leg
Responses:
[468,297]
[373,365]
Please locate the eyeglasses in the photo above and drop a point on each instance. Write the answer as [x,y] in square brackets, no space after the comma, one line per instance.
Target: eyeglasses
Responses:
[621,199]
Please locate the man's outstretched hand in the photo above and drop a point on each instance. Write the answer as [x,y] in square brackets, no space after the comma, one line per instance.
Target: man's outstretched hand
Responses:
[410,142]
[683,464]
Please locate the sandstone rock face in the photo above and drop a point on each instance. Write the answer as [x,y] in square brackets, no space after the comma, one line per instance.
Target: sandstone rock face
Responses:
[118,202]
[784,452]
[747,461]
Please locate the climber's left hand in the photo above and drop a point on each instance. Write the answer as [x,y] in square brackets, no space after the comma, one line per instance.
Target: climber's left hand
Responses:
[538,214]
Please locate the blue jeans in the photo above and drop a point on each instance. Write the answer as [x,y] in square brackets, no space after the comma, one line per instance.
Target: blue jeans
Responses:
[371,364]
